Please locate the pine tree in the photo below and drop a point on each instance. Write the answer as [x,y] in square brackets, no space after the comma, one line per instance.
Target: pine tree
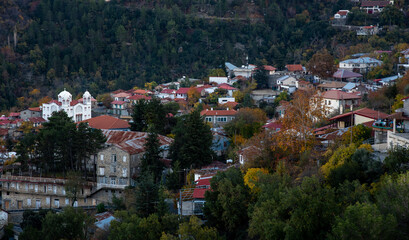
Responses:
[193,141]
[151,159]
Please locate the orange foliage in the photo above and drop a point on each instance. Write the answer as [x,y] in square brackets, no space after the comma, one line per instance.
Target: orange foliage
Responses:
[45,99]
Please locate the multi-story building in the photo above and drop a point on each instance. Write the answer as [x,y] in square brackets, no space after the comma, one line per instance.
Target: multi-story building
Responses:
[75,109]
[361,65]
[218,117]
[23,192]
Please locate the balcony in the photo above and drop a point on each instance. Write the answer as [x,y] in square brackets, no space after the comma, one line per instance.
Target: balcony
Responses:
[388,125]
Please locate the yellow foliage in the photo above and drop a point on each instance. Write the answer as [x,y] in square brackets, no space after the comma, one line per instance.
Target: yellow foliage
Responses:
[238,140]
[366,146]
[35,92]
[238,96]
[252,177]
[338,158]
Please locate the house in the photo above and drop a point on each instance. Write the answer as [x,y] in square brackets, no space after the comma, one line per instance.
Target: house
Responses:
[218,117]
[221,142]
[290,83]
[229,69]
[121,96]
[135,98]
[75,109]
[281,108]
[337,100]
[248,154]
[107,122]
[270,69]
[30,112]
[181,93]
[218,80]
[345,75]
[273,126]
[330,85]
[223,100]
[244,71]
[360,116]
[367,30]
[341,14]
[372,7]
[119,108]
[119,162]
[264,95]
[305,86]
[37,121]
[230,90]
[361,65]
[167,93]
[295,68]
[24,192]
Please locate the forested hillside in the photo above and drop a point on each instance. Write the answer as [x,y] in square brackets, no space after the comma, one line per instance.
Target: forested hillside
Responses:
[101,46]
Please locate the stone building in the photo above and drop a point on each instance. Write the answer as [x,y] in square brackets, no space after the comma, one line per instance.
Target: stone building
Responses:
[22,192]
[119,162]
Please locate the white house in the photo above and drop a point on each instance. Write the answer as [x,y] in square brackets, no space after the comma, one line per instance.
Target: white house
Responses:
[77,110]
[336,100]
[374,6]
[361,65]
[341,14]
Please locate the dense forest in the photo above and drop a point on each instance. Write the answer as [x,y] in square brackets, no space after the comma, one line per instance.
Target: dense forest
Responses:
[103,46]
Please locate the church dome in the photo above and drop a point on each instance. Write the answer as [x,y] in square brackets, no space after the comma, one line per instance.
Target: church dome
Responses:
[64,96]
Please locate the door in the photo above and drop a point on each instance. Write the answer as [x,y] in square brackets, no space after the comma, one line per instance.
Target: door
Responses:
[19,204]
[7,205]
[38,203]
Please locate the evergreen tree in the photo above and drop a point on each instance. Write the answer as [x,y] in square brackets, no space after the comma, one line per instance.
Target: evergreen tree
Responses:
[151,159]
[193,141]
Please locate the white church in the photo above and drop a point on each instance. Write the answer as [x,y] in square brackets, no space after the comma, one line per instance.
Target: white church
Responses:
[78,110]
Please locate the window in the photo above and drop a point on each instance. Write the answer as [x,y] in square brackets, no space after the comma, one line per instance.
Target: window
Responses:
[113,158]
[124,159]
[113,180]
[36,188]
[101,171]
[101,157]
[47,201]
[63,191]
[29,202]
[113,169]
[329,102]
[208,119]
[124,172]
[222,119]
[55,189]
[26,187]
[57,203]
[45,188]
[67,201]
[38,203]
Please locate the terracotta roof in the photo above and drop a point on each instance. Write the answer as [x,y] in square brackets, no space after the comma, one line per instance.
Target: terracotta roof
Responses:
[131,142]
[208,112]
[343,12]
[269,68]
[226,86]
[139,96]
[273,125]
[14,114]
[4,122]
[35,109]
[214,165]
[332,84]
[122,95]
[107,122]
[182,90]
[374,3]
[55,101]
[365,112]
[118,102]
[118,91]
[339,95]
[142,91]
[168,90]
[230,104]
[36,119]
[203,182]
[199,193]
[294,67]
[74,102]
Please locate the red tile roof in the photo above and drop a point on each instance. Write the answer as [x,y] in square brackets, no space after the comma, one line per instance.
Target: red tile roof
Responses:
[273,125]
[131,142]
[226,86]
[203,182]
[118,102]
[168,91]
[294,67]
[107,122]
[35,109]
[142,91]
[138,97]
[230,104]
[199,193]
[339,95]
[4,131]
[343,12]
[36,119]
[269,68]
[55,101]
[14,114]
[208,112]
[122,95]
[182,90]
[365,112]
[74,102]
